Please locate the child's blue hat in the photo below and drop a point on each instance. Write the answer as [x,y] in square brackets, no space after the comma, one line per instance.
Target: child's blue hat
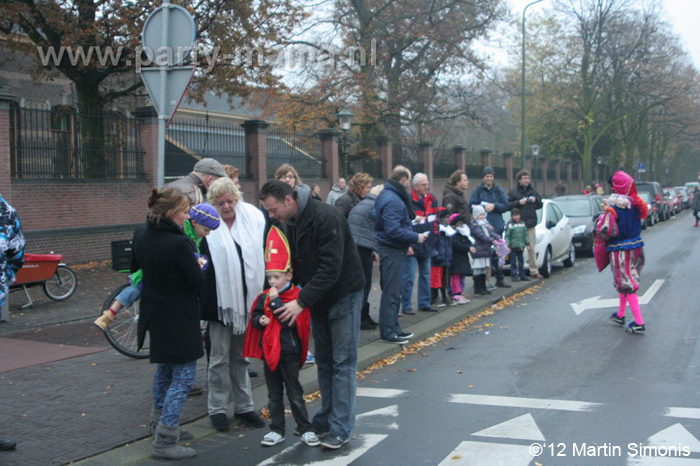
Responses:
[205,214]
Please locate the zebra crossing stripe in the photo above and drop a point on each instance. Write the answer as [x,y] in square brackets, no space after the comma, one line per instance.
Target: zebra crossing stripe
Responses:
[530,403]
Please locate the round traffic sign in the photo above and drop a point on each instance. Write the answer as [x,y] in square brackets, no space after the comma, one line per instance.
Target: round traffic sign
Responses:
[172,48]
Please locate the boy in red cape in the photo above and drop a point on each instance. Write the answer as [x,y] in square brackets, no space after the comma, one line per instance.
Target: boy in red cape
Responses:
[281,346]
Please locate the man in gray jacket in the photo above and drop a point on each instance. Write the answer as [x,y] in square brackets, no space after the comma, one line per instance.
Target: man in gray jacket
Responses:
[196,184]
[339,188]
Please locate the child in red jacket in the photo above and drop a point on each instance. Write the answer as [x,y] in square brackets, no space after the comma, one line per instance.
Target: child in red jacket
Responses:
[281,345]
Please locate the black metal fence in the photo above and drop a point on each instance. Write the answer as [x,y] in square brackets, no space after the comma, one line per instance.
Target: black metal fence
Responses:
[189,139]
[300,149]
[64,144]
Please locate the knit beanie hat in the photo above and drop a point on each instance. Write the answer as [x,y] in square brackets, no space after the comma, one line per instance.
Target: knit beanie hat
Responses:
[487,171]
[478,210]
[205,214]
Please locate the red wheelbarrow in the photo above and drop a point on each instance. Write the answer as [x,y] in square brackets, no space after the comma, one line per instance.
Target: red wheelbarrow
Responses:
[58,280]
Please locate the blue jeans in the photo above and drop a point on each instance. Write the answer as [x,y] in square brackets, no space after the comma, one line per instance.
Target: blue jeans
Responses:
[171,384]
[423,265]
[336,334]
[517,267]
[392,264]
[128,296]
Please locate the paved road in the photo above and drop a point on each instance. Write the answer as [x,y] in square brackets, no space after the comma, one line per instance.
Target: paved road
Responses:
[535,372]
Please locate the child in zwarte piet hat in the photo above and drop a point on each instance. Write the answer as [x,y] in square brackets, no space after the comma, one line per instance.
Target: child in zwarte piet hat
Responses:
[281,345]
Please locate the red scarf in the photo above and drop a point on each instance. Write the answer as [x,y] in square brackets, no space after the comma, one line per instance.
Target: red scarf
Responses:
[271,349]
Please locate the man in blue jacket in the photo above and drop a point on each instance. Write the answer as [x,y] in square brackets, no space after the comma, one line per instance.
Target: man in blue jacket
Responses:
[494,200]
[395,235]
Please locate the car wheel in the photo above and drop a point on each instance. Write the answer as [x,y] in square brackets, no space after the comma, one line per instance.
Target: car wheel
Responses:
[571,258]
[546,269]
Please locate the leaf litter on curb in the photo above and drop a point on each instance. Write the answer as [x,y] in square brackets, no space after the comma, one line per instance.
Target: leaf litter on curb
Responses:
[450,331]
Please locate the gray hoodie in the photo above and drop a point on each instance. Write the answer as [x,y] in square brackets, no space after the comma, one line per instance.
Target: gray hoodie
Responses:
[335,194]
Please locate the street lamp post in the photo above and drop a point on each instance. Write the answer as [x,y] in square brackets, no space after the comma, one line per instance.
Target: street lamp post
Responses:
[522,91]
[535,152]
[345,122]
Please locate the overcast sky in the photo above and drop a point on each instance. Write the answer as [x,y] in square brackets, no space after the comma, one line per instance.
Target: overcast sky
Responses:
[683,15]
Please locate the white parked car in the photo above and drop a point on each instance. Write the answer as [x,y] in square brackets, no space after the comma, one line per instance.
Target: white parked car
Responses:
[554,238]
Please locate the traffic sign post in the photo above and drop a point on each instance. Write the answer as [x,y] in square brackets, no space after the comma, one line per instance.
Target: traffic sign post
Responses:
[170,32]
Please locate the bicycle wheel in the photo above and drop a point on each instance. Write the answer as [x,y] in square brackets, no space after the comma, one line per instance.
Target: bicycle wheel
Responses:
[122,334]
[62,285]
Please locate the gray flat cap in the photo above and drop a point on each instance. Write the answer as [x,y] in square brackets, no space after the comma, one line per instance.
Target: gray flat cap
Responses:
[210,167]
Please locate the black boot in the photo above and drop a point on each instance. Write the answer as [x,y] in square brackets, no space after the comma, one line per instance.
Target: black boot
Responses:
[433,296]
[445,299]
[482,285]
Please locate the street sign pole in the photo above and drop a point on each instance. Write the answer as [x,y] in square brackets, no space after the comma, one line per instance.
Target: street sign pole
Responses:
[167,82]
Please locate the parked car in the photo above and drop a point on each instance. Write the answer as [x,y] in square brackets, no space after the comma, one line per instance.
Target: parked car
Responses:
[674,200]
[554,239]
[653,217]
[685,194]
[583,211]
[657,194]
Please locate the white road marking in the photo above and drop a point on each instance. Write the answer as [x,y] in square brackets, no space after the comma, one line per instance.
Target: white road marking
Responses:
[674,436]
[345,455]
[596,303]
[661,461]
[488,454]
[368,417]
[515,402]
[521,428]
[688,413]
[380,392]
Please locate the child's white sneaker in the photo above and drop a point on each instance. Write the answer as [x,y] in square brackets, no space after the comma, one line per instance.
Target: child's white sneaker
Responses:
[272,438]
[310,439]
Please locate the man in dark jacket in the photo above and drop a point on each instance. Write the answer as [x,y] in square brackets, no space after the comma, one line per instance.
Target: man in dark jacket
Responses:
[526,198]
[395,234]
[326,265]
[424,205]
[494,201]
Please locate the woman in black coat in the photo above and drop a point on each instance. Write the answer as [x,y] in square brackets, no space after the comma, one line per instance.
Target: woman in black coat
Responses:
[169,312]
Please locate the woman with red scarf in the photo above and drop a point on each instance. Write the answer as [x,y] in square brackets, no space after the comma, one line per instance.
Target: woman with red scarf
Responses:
[622,224]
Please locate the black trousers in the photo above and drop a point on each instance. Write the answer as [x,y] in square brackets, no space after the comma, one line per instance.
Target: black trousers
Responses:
[286,377]
[367,265]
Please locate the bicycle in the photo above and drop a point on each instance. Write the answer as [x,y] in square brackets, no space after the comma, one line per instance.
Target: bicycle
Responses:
[57,279]
[122,334]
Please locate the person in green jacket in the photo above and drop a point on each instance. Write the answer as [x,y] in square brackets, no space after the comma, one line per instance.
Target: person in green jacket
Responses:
[518,240]
[203,219]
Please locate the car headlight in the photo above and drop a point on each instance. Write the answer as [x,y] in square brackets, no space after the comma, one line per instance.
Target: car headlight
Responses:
[539,238]
[579,229]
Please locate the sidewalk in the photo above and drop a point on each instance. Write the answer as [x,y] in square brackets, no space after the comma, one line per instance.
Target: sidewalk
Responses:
[67,395]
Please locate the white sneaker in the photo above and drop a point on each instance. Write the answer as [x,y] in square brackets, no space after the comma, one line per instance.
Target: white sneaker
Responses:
[310,439]
[272,438]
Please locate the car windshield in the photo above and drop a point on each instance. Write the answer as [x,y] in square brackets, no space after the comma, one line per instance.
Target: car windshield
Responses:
[575,207]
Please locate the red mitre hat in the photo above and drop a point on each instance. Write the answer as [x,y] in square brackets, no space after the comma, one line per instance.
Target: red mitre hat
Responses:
[277,255]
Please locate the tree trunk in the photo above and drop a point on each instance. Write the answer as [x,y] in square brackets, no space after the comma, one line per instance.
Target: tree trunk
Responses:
[92,137]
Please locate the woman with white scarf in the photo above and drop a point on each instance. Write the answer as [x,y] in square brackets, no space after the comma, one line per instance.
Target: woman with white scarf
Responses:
[234,280]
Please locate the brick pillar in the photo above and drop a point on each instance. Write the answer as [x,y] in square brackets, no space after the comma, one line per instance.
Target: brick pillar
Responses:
[508,162]
[557,168]
[460,156]
[148,139]
[256,151]
[6,99]
[329,150]
[426,155]
[544,166]
[485,157]
[385,156]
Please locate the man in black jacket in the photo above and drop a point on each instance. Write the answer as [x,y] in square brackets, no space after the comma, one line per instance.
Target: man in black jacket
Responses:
[526,198]
[327,266]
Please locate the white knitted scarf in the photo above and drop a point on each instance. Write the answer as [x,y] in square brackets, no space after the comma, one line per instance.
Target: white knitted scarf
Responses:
[248,230]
